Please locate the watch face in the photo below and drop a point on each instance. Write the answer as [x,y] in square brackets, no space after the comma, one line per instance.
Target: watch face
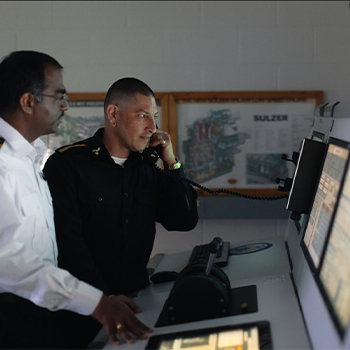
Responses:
[249,248]
[174,166]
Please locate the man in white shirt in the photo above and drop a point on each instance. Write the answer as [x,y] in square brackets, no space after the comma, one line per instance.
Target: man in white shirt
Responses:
[32,103]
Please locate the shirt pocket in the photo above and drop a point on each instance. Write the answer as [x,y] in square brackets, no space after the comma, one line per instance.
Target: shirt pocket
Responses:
[30,205]
[99,215]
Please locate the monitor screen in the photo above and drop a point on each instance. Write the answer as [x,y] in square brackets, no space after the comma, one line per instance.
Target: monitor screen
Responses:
[325,199]
[334,273]
[253,336]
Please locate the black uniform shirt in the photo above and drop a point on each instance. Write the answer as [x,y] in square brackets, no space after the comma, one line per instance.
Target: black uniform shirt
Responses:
[105,215]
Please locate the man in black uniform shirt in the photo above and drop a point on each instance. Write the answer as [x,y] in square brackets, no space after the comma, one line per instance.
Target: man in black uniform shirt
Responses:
[108,195]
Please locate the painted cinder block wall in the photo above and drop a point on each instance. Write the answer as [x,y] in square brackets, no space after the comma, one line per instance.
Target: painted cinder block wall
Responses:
[194,46]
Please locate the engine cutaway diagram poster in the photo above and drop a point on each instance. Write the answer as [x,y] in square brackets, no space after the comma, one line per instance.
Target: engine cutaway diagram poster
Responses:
[226,145]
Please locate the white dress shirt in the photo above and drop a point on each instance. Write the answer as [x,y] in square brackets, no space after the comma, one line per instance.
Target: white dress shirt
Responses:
[28,249]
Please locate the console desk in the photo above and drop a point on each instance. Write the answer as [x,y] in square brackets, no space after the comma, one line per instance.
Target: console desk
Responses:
[269,270]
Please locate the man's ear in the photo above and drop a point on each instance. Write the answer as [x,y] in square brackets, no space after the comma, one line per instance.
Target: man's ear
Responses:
[112,113]
[26,102]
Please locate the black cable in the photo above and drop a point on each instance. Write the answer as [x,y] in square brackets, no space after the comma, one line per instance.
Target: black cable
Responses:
[221,190]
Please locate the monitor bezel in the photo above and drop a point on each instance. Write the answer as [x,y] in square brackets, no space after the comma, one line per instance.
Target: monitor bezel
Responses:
[264,330]
[314,269]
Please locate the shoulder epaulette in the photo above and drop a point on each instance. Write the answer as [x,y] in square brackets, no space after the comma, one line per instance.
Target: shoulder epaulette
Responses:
[2,141]
[71,146]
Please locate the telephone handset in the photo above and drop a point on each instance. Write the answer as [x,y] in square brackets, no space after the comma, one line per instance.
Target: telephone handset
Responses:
[151,155]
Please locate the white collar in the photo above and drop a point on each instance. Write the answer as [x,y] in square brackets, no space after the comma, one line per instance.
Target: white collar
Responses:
[18,144]
[119,161]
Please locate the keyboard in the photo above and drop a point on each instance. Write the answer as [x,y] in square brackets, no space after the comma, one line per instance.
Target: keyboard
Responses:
[200,254]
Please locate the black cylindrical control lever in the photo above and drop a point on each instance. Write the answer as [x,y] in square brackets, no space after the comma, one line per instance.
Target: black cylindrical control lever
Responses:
[214,247]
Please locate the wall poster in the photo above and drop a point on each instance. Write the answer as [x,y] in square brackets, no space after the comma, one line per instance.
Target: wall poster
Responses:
[235,140]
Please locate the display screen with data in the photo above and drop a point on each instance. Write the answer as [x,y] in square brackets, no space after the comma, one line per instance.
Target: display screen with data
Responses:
[325,200]
[245,337]
[335,268]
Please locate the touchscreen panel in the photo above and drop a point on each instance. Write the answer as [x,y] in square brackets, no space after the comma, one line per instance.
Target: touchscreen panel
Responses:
[244,337]
[325,200]
[335,268]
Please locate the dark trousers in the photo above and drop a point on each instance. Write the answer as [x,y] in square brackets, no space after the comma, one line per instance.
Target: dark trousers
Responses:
[23,325]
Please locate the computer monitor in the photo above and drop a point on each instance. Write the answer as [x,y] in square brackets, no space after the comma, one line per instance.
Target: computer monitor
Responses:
[320,137]
[334,274]
[325,199]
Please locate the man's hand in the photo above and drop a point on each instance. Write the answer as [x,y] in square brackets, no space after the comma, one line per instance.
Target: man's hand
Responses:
[117,315]
[162,138]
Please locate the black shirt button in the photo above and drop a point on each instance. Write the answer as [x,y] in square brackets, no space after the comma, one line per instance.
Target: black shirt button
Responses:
[100,199]
[126,221]
[126,194]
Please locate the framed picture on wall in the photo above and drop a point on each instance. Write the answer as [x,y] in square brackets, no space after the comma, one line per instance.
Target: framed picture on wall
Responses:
[235,140]
[85,115]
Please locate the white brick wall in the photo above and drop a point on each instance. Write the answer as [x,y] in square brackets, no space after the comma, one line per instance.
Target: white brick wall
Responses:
[190,46]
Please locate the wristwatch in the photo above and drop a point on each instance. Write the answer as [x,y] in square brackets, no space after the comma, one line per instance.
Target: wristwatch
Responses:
[174,166]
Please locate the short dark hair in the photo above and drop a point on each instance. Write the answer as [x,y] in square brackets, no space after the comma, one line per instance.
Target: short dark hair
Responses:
[125,88]
[21,72]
